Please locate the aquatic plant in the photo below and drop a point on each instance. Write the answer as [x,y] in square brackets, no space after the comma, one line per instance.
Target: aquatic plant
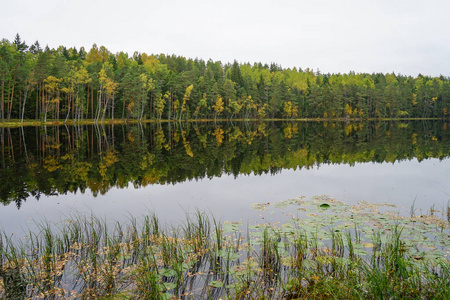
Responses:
[328,249]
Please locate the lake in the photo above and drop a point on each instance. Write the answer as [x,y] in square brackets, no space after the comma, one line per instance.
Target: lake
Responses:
[115,171]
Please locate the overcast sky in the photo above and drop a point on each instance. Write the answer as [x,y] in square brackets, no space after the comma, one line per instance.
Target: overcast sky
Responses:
[407,37]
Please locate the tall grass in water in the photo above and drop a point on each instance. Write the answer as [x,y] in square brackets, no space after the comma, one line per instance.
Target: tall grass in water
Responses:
[85,258]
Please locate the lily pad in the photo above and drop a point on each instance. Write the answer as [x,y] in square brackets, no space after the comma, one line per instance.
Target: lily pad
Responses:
[231,227]
[168,286]
[216,284]
[360,252]
[309,264]
[167,272]
[260,206]
[324,206]
[167,296]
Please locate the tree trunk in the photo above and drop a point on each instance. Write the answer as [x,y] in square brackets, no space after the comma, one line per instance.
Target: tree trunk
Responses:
[2,106]
[45,110]
[87,103]
[68,109]
[24,101]
[20,104]
[142,111]
[57,106]
[112,109]
[11,100]
[37,102]
[99,104]
[43,106]
[123,109]
[92,102]
[104,109]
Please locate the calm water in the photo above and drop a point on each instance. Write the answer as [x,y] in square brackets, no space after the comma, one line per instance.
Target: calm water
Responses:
[115,171]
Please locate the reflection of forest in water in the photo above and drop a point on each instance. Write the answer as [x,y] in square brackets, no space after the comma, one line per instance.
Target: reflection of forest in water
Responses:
[56,160]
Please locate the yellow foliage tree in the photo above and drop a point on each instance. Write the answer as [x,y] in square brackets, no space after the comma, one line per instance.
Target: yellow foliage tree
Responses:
[186,98]
[218,107]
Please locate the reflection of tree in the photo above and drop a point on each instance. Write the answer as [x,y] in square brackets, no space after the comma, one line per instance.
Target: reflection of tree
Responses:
[59,160]
[108,160]
[218,133]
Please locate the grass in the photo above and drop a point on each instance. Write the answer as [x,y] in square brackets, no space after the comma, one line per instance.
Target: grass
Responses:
[83,257]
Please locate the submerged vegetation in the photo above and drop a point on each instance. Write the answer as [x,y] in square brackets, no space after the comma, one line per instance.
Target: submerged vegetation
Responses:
[326,250]
[68,84]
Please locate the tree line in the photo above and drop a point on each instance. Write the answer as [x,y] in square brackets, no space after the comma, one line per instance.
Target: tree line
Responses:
[66,83]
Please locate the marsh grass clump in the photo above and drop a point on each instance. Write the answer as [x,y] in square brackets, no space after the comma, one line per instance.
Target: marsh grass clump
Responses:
[322,255]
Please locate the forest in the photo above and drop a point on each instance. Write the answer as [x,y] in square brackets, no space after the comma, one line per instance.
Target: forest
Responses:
[64,84]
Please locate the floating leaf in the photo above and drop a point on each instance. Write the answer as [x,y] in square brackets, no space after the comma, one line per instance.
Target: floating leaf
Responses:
[221,253]
[186,266]
[260,206]
[216,284]
[232,256]
[255,227]
[436,254]
[231,227]
[324,259]
[232,286]
[342,261]
[167,296]
[168,286]
[360,252]
[311,264]
[288,228]
[429,247]
[167,272]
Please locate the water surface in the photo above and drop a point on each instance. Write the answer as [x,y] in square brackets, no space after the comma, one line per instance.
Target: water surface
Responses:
[117,171]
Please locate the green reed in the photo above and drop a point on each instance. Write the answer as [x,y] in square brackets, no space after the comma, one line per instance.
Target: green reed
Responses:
[85,257]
